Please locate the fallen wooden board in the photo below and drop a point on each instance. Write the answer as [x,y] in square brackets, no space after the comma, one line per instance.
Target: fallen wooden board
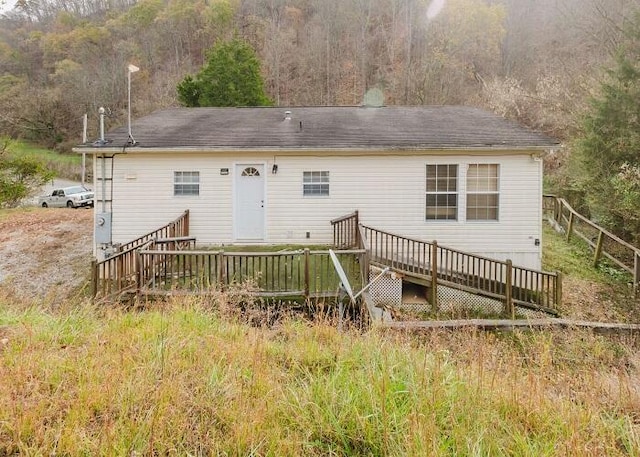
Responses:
[517,324]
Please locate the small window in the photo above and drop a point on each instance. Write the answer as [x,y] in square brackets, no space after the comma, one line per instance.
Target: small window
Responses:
[315,183]
[186,183]
[483,194]
[442,192]
[250,171]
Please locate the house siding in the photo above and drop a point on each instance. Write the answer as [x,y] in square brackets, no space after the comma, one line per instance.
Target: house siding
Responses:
[388,190]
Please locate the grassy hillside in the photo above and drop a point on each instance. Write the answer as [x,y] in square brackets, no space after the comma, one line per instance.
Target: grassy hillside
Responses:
[66,166]
[180,379]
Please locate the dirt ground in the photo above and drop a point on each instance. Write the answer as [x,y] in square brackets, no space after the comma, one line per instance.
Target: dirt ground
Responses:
[45,254]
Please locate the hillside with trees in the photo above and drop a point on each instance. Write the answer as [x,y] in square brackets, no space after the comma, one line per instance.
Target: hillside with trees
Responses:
[544,63]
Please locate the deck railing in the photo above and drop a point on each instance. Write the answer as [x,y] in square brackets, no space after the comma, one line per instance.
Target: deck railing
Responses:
[118,273]
[602,242]
[174,229]
[439,265]
[345,231]
[304,273]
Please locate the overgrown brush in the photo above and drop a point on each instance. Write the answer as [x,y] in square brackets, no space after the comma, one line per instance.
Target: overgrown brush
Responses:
[181,377]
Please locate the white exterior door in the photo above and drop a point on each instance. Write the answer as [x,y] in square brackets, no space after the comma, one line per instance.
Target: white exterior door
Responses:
[249,199]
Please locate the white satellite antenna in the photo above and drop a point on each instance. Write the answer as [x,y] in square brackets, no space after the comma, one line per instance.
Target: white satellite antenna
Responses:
[346,286]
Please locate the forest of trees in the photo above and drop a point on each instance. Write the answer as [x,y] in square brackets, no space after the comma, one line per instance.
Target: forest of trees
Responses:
[533,60]
[541,62]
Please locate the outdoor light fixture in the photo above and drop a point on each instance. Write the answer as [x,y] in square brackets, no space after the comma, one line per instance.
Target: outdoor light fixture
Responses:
[274,169]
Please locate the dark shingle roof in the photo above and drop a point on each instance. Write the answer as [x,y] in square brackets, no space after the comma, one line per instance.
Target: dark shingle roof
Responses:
[424,127]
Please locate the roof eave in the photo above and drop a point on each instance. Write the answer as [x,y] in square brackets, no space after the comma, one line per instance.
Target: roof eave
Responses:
[285,150]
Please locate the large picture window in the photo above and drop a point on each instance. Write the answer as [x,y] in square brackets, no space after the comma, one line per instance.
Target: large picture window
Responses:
[442,192]
[186,183]
[315,183]
[483,192]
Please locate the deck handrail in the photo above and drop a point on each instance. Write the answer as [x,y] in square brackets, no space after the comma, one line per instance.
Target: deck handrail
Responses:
[178,227]
[120,271]
[601,241]
[345,231]
[441,265]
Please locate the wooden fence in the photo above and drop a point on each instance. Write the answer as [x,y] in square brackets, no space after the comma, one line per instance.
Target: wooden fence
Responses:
[602,242]
[117,273]
[439,265]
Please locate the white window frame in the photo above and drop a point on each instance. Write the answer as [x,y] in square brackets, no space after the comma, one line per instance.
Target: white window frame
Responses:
[434,188]
[181,185]
[483,184]
[315,183]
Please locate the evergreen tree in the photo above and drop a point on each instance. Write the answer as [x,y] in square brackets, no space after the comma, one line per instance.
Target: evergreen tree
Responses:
[608,152]
[231,77]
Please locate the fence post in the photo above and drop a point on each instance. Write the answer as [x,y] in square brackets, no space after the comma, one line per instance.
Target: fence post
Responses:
[307,278]
[434,275]
[598,249]
[509,309]
[556,209]
[139,273]
[570,226]
[636,273]
[558,289]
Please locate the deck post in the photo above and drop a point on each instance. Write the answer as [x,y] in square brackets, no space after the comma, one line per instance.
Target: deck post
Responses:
[307,277]
[598,250]
[434,275]
[221,270]
[94,279]
[509,309]
[138,272]
[186,223]
[356,230]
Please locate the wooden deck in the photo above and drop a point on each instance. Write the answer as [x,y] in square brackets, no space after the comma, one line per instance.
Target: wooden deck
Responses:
[166,262]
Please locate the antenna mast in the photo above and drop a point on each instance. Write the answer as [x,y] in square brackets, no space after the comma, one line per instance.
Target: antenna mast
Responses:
[132,69]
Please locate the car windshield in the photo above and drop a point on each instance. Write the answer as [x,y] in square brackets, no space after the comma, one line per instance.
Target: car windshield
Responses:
[76,190]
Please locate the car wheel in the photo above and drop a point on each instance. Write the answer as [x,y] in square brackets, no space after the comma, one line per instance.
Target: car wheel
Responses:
[44,204]
[69,204]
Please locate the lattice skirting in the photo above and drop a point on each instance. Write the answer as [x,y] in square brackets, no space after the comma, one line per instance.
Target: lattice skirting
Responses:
[387,290]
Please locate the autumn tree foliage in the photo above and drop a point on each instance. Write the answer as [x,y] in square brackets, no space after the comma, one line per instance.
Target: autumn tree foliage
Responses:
[535,61]
[231,77]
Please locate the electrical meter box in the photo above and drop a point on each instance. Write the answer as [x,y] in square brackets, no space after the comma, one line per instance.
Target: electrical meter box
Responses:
[103,228]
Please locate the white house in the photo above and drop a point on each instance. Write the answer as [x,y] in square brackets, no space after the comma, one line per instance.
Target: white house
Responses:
[462,176]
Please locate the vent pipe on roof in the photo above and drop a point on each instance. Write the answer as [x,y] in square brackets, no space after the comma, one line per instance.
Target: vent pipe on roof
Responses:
[287,115]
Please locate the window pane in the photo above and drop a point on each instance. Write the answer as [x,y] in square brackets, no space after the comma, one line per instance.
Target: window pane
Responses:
[441,192]
[186,183]
[482,191]
[315,183]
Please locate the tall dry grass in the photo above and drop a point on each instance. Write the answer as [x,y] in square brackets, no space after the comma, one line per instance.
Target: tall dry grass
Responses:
[178,378]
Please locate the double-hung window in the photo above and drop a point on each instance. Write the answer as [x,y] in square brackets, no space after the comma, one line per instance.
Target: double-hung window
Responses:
[442,192]
[315,183]
[186,183]
[483,192]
